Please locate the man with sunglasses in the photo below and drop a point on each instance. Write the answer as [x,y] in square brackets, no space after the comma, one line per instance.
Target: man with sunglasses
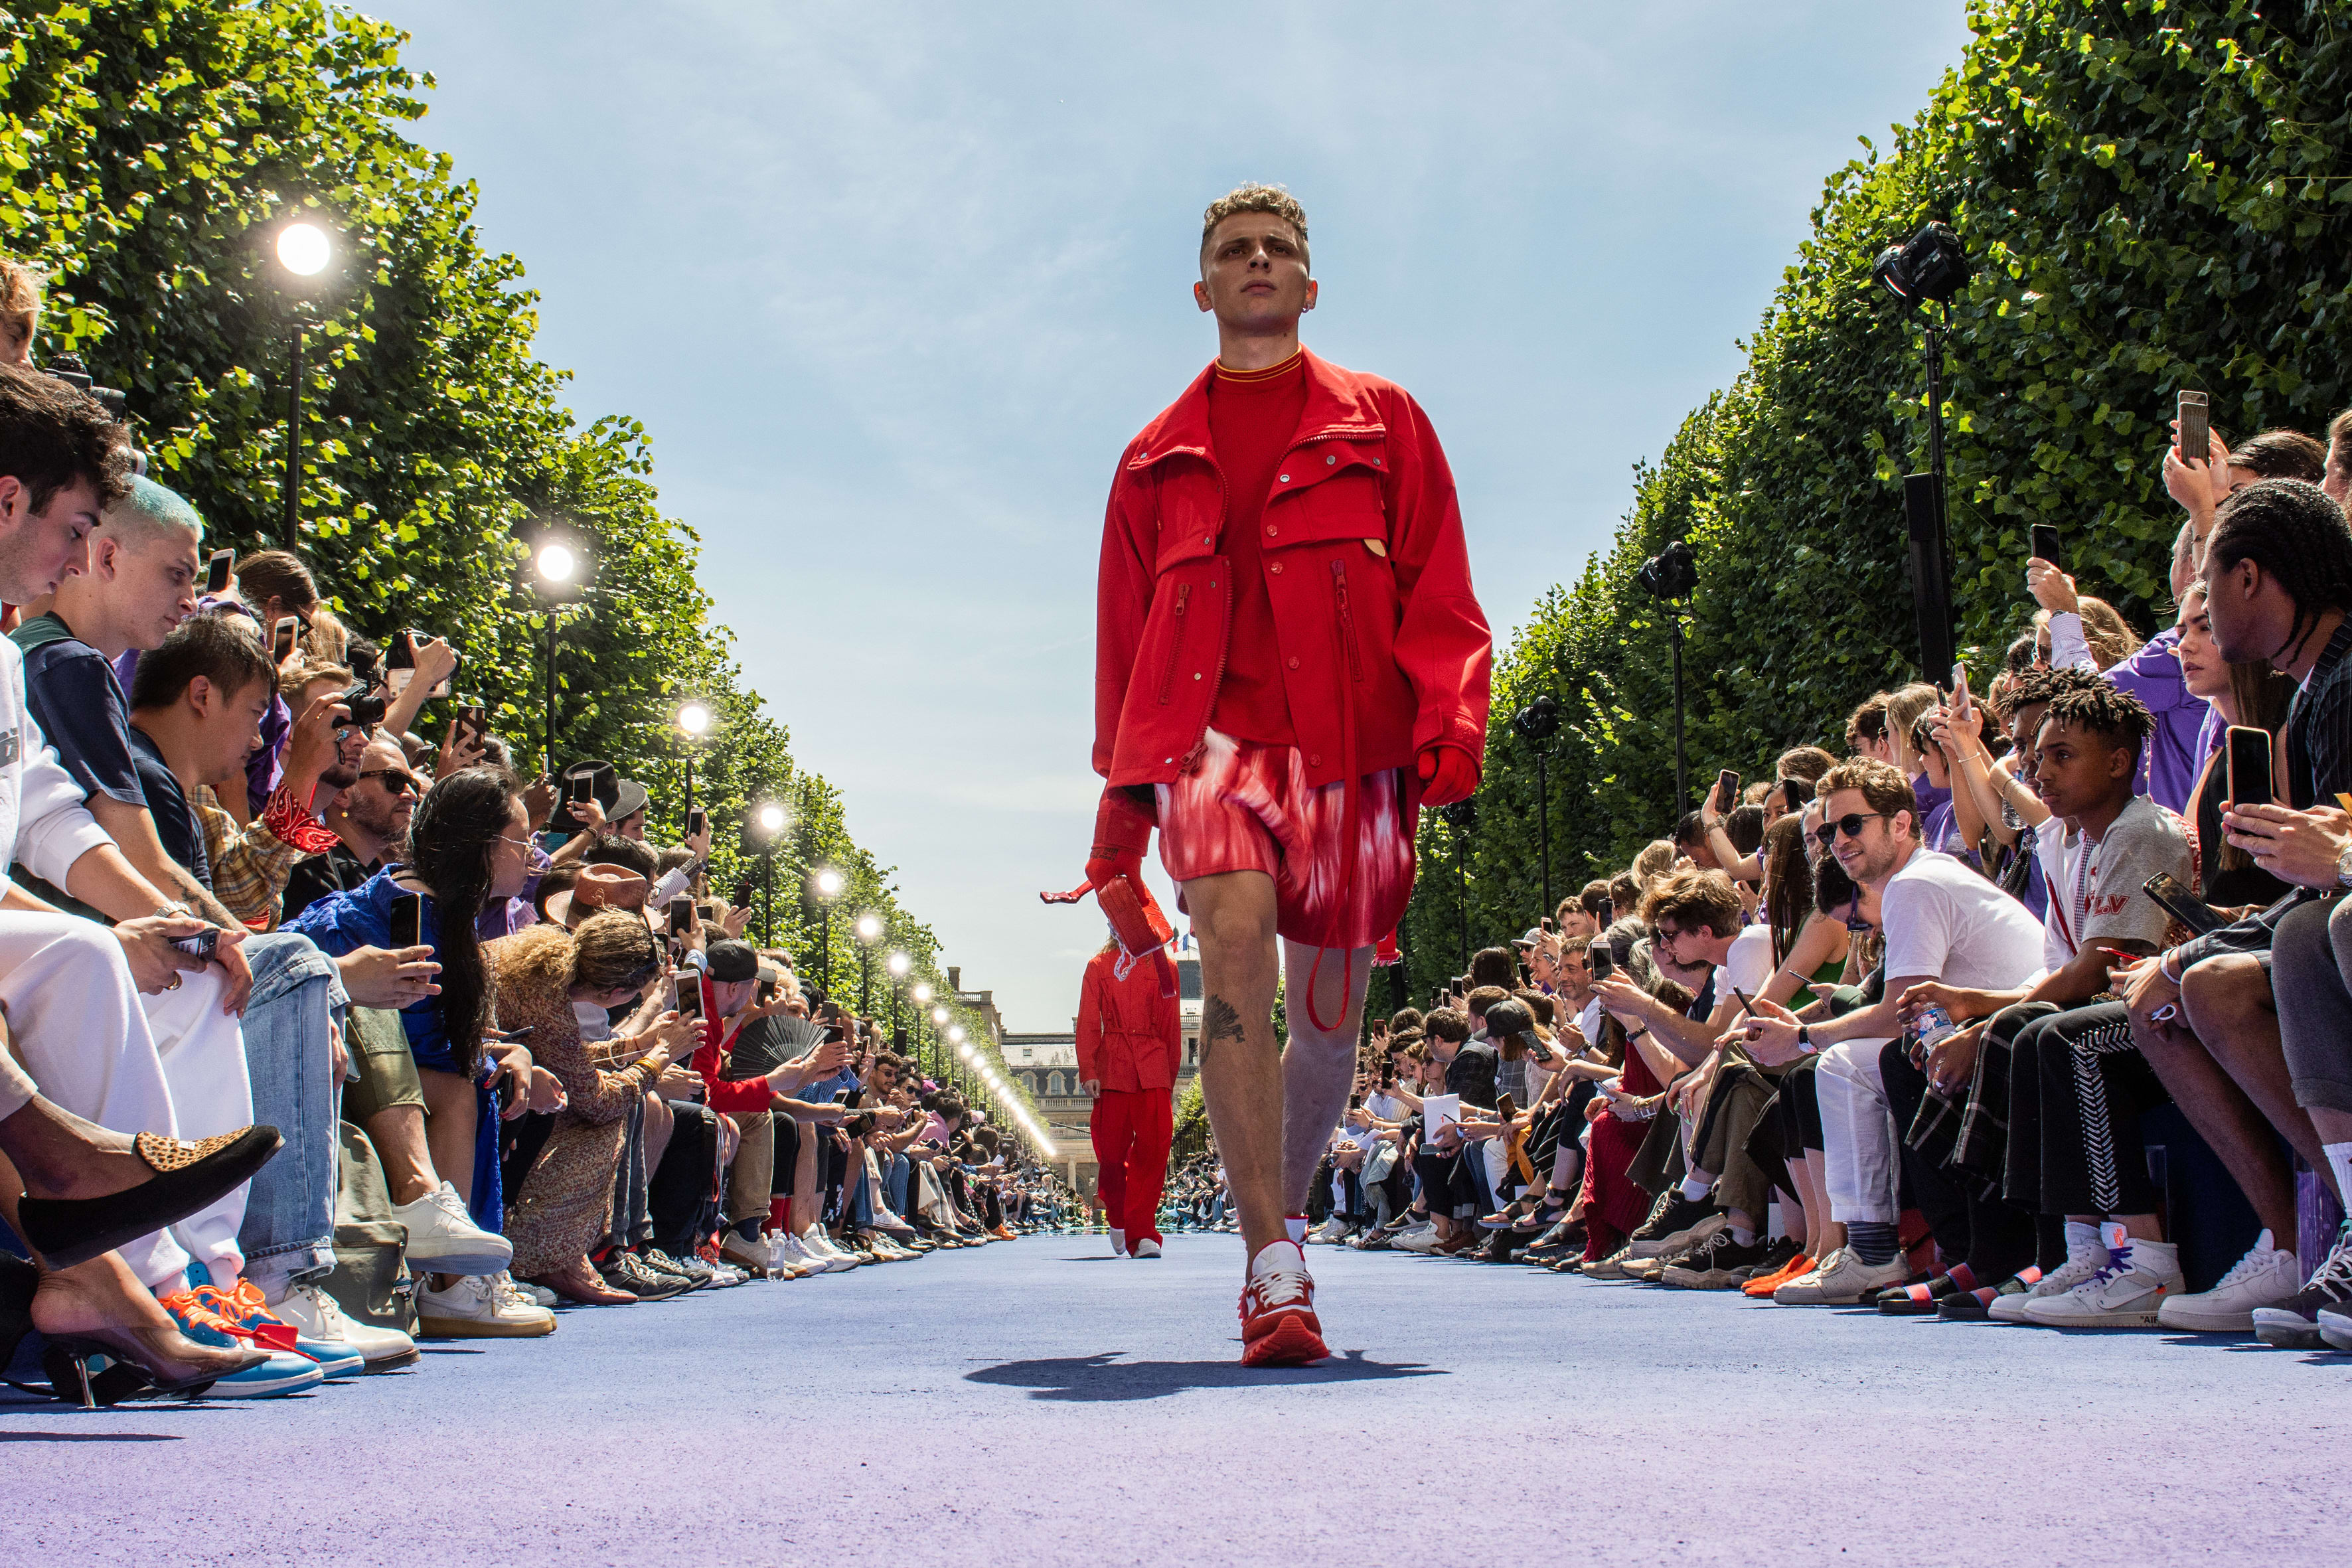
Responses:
[369,819]
[1943,923]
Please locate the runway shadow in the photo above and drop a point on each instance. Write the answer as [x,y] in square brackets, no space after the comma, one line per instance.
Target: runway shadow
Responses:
[1088,1379]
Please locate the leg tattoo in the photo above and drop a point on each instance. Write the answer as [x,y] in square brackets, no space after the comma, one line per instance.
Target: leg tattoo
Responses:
[1218,1022]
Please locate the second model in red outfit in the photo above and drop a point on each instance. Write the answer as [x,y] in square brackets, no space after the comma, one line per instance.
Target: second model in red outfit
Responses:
[1130,1045]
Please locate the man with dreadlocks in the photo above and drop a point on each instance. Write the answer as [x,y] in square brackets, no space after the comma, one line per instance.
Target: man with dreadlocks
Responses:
[2278,579]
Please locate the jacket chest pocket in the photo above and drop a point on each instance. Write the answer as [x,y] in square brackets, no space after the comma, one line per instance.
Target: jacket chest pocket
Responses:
[1337,497]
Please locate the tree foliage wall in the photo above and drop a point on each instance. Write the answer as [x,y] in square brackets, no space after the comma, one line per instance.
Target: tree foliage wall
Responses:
[2158,197]
[148,151]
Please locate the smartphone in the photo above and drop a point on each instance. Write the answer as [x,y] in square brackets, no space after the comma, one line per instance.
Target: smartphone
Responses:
[281,639]
[217,570]
[1960,681]
[584,788]
[2195,428]
[742,900]
[201,945]
[2181,904]
[1792,793]
[2046,543]
[1544,925]
[696,821]
[407,921]
[1726,790]
[2250,766]
[1603,962]
[1746,1001]
[400,664]
[681,915]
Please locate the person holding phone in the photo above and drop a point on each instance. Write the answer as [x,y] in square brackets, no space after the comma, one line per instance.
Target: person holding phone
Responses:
[469,844]
[2212,1017]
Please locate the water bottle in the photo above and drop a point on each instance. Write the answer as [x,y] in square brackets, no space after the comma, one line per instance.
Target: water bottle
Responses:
[1931,1026]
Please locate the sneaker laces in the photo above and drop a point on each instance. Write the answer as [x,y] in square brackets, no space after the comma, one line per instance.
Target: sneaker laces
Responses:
[2336,1272]
[1280,1287]
[330,1317]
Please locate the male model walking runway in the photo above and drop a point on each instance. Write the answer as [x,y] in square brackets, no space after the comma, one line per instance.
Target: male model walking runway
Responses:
[1131,1041]
[1289,663]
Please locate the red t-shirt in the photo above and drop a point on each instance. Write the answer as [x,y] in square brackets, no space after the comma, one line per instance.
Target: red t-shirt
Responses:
[1252,419]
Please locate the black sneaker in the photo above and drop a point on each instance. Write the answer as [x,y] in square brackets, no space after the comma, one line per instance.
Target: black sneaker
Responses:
[1721,1264]
[1777,1254]
[1672,1211]
[1500,1247]
[628,1271]
[661,1262]
[2293,1324]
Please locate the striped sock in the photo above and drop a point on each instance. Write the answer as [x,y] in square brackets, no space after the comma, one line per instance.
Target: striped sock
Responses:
[1873,1241]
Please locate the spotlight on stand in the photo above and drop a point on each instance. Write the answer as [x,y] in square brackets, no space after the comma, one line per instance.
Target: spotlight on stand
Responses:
[1930,265]
[1461,817]
[1671,576]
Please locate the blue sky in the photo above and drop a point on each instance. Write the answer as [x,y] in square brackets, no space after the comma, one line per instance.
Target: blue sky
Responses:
[890,286]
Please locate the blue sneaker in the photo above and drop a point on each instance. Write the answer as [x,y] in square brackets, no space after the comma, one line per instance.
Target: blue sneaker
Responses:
[250,1318]
[284,1373]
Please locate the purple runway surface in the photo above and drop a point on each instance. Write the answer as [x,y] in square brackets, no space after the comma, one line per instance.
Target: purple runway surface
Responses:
[1039,1403]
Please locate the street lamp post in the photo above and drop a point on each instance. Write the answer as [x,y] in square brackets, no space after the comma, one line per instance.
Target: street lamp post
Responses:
[896,966]
[303,250]
[938,1048]
[694,721]
[770,819]
[868,929]
[827,884]
[555,564]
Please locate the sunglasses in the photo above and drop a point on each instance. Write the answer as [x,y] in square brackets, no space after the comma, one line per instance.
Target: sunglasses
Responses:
[1850,825]
[409,783]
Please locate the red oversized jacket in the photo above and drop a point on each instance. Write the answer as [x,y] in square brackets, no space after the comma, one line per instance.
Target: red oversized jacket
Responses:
[1385,649]
[1129,1034]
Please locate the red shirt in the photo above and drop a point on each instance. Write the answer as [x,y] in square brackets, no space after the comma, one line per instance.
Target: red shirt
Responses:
[1130,1036]
[1252,419]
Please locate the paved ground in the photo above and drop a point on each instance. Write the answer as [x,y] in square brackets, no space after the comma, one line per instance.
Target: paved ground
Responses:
[1033,1402]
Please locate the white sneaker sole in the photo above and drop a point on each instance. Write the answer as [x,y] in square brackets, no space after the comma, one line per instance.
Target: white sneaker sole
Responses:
[2337,1330]
[433,1327]
[2200,1321]
[457,1260]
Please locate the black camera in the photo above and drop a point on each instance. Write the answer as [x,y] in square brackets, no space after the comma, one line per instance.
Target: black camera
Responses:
[367,705]
[1671,574]
[69,369]
[1930,265]
[1460,816]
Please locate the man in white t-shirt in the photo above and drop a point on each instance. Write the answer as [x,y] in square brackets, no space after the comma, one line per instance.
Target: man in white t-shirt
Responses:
[1943,923]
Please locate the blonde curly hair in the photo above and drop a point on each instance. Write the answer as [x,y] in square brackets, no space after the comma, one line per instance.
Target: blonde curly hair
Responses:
[1254,198]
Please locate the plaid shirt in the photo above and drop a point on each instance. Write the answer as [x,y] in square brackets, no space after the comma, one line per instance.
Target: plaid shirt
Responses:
[250,864]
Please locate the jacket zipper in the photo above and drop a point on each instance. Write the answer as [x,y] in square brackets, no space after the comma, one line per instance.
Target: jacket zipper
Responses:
[1175,642]
[1346,621]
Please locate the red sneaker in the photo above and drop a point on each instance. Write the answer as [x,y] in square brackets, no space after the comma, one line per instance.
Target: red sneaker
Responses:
[1277,1309]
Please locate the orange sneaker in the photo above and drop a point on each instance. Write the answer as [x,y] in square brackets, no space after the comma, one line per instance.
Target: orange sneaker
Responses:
[1278,1323]
[1764,1285]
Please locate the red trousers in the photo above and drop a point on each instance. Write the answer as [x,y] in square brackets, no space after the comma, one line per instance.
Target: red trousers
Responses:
[1131,1128]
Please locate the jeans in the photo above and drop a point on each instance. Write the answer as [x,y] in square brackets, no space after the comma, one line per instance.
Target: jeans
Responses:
[895,1182]
[298,1002]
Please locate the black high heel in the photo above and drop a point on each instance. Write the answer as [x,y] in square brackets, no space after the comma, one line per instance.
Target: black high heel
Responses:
[95,1370]
[188,1177]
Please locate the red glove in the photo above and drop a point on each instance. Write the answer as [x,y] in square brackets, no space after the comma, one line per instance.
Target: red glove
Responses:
[1448,774]
[1123,833]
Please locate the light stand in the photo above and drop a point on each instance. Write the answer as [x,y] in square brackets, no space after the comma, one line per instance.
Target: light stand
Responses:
[827,884]
[1670,576]
[555,566]
[1930,266]
[1537,723]
[767,824]
[1460,817]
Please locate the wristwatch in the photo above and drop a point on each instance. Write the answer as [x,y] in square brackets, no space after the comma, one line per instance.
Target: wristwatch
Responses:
[2343,867]
[174,913]
[1805,1039]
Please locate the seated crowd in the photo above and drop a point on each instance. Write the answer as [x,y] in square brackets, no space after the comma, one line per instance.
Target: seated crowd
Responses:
[320,1038]
[1884,1029]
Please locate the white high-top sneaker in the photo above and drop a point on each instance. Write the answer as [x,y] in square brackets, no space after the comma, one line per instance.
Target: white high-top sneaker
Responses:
[2085,1256]
[2264,1277]
[2126,1294]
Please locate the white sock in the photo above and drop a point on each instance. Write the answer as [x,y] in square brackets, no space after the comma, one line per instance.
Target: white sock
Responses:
[1295,1223]
[1277,1255]
[1743,1235]
[1695,1187]
[2082,1241]
[2339,1160]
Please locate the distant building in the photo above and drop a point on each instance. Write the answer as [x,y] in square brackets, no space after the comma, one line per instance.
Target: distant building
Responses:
[1047,1066]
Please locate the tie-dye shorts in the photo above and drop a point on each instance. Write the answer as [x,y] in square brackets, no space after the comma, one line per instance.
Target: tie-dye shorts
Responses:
[1248,808]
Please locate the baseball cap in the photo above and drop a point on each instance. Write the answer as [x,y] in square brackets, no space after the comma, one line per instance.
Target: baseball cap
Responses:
[733,960]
